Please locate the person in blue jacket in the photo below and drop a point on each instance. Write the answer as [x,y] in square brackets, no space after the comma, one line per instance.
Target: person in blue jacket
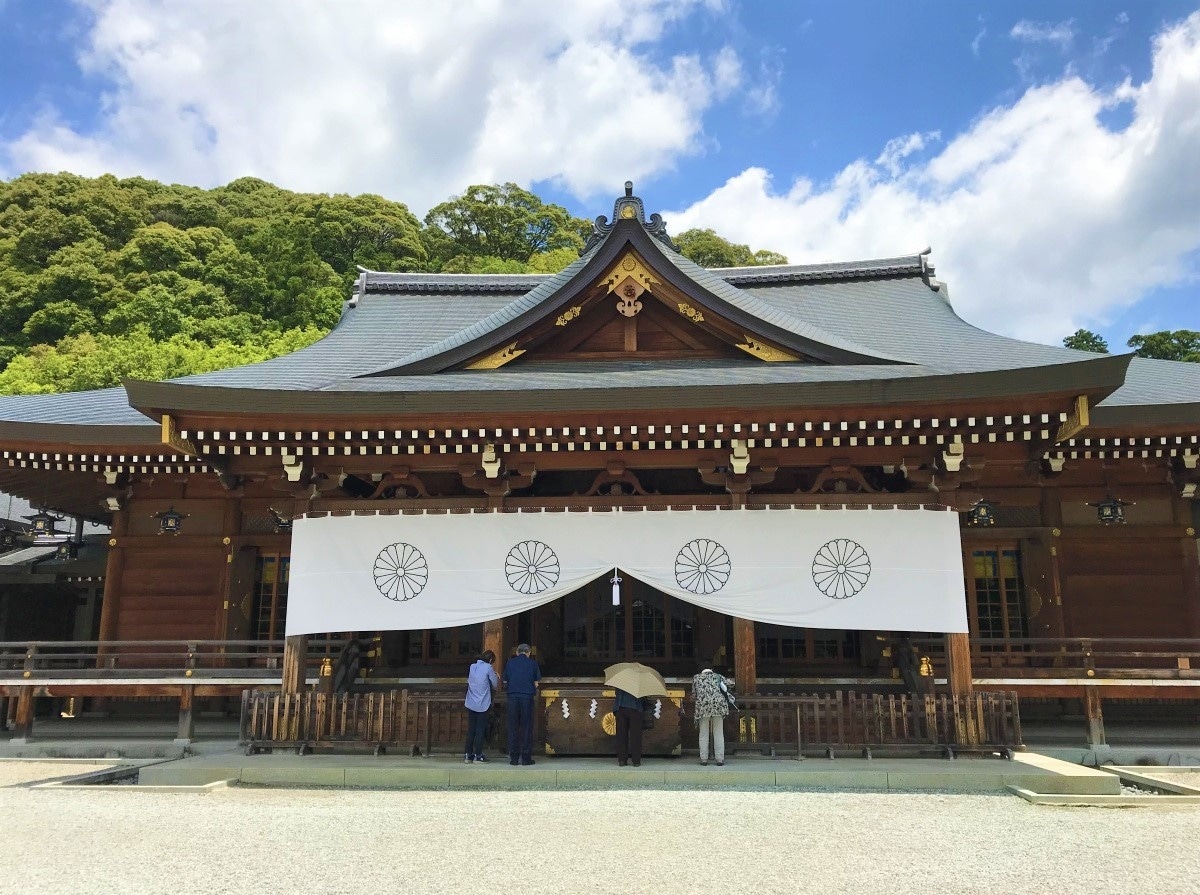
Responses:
[522,677]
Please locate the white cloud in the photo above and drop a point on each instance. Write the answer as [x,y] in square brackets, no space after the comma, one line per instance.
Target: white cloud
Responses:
[1042,218]
[414,100]
[978,41]
[1061,33]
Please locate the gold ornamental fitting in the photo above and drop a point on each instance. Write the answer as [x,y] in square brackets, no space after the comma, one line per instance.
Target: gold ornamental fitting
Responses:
[326,667]
[188,673]
[926,667]
[1191,532]
[609,724]
[1057,532]
[1091,672]
[26,674]
[112,542]
[225,541]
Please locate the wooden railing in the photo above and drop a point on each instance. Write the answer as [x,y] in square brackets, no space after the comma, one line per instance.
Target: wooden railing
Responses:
[49,659]
[851,721]
[776,725]
[1113,657]
[413,722]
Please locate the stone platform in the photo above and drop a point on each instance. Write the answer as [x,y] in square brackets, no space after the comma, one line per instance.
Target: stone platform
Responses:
[286,769]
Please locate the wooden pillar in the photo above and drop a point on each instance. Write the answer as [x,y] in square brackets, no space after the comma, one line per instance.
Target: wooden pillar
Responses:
[110,609]
[958,680]
[745,659]
[1190,547]
[958,664]
[295,663]
[186,731]
[494,639]
[24,718]
[1094,713]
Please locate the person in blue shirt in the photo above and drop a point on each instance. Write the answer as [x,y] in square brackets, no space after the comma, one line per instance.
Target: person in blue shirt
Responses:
[521,679]
[481,682]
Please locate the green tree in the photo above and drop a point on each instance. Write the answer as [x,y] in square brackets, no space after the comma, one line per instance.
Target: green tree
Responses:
[1085,340]
[1182,344]
[500,221]
[708,249]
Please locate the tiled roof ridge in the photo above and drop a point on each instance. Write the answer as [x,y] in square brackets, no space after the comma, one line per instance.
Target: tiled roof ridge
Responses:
[519,283]
[826,270]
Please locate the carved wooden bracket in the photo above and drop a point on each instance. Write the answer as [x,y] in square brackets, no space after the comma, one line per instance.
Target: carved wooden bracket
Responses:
[839,477]
[735,483]
[613,482]
[501,486]
[399,477]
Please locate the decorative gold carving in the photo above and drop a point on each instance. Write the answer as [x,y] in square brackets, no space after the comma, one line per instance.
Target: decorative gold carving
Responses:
[628,304]
[609,724]
[630,267]
[568,316]
[170,437]
[628,212]
[693,314]
[497,358]
[550,750]
[1076,422]
[762,351]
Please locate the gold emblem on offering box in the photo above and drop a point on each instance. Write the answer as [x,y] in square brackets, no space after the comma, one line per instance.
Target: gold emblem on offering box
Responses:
[609,724]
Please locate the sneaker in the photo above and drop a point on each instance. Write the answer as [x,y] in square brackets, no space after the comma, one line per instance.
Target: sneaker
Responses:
[482,758]
[720,764]
[704,764]
[467,759]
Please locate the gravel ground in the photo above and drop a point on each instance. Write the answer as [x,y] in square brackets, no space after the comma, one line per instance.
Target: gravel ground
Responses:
[265,841]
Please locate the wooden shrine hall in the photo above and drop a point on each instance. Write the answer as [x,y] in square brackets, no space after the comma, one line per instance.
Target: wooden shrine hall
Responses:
[599,413]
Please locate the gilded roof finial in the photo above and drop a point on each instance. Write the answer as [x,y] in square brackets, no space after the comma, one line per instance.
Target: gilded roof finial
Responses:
[629,208]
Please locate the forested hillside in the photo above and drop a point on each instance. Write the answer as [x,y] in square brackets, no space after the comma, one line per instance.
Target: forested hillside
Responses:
[103,279]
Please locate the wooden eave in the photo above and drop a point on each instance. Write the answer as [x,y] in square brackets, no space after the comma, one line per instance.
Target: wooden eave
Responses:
[1096,378]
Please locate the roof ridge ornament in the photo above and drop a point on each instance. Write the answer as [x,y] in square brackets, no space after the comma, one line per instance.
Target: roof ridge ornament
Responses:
[629,208]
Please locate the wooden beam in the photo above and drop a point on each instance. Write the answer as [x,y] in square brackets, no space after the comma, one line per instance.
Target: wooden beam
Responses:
[23,728]
[745,659]
[186,731]
[1094,713]
[958,664]
[110,605]
[295,663]
[494,640]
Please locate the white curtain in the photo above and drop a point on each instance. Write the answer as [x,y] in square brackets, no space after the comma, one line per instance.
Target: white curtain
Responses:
[872,569]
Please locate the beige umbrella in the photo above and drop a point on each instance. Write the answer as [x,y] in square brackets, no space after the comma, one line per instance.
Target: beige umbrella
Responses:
[635,679]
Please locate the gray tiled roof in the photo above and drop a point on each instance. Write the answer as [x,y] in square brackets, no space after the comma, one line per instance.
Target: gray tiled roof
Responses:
[884,310]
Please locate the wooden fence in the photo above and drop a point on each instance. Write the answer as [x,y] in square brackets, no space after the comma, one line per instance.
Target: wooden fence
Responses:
[831,723]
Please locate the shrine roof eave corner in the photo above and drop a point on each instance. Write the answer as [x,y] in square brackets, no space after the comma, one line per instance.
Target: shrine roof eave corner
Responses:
[1097,378]
[558,292]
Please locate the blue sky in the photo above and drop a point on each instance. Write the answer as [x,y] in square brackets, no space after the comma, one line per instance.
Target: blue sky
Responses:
[1046,150]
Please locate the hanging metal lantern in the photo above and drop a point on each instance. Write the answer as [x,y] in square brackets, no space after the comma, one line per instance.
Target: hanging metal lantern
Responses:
[66,550]
[42,524]
[170,521]
[983,513]
[1111,510]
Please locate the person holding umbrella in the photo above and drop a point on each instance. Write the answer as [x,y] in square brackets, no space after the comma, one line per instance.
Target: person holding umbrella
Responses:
[633,683]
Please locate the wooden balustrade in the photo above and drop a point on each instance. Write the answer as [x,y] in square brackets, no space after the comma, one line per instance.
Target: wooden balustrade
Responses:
[777,725]
[1083,657]
[48,659]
